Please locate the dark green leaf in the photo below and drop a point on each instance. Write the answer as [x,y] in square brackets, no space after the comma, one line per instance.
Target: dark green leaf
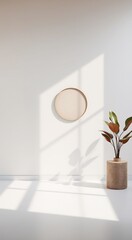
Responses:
[127,134]
[106,137]
[127,123]
[108,134]
[125,140]
[110,116]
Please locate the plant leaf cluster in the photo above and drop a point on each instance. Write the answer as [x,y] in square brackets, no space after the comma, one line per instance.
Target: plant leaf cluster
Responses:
[116,138]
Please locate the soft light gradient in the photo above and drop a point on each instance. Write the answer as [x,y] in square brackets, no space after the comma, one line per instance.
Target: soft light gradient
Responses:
[46,46]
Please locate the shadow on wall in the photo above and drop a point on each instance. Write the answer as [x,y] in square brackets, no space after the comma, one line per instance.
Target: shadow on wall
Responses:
[60,40]
[78,163]
[46,49]
[72,128]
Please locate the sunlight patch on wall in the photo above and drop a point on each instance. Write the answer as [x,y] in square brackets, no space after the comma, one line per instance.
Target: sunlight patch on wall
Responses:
[58,139]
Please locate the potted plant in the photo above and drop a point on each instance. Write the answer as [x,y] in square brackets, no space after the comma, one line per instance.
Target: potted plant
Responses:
[117,168]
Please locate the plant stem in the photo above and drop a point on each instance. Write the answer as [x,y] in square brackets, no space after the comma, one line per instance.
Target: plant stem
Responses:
[121,134]
[118,153]
[118,147]
[116,144]
[113,146]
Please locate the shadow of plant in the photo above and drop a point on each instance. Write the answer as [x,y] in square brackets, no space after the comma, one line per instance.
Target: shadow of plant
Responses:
[81,162]
[78,163]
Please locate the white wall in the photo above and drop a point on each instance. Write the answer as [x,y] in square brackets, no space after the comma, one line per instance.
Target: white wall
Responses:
[46,46]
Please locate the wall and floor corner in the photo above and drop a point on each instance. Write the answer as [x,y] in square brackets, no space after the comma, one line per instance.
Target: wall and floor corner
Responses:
[46,46]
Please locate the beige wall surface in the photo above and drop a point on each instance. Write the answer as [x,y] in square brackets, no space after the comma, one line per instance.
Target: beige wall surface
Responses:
[46,46]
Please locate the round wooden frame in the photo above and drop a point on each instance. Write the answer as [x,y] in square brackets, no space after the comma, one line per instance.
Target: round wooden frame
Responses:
[66,110]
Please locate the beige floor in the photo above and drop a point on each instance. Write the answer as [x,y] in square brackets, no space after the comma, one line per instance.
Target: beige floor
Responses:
[40,210]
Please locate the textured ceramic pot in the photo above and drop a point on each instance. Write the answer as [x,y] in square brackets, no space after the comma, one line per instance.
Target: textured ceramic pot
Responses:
[116,174]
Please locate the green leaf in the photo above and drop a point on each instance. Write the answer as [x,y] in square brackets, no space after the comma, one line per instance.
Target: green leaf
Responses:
[107,138]
[108,134]
[110,116]
[127,123]
[113,118]
[127,134]
[125,140]
[107,123]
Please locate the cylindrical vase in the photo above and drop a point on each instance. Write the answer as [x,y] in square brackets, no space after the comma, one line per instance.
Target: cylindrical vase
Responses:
[116,174]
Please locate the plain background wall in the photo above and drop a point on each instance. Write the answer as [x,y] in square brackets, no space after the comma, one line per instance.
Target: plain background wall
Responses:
[46,46]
